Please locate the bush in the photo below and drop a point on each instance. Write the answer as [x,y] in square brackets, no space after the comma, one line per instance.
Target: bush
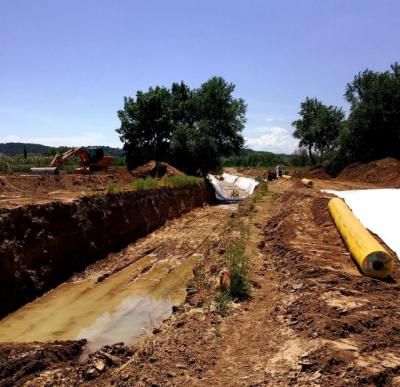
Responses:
[238,265]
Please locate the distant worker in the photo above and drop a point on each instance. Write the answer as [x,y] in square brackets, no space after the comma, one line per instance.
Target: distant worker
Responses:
[278,171]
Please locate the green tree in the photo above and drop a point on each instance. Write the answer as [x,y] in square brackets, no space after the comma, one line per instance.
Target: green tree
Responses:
[300,158]
[220,115]
[146,126]
[191,128]
[373,127]
[318,127]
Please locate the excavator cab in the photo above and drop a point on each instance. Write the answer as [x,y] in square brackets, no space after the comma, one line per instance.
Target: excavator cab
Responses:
[95,154]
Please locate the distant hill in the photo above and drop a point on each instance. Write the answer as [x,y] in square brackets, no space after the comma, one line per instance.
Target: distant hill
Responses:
[17,148]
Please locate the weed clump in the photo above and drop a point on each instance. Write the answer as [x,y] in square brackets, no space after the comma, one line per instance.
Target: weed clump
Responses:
[172,181]
[113,188]
[221,303]
[238,266]
[140,184]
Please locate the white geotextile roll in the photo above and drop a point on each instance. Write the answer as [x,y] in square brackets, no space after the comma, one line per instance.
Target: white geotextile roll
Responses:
[244,184]
[229,178]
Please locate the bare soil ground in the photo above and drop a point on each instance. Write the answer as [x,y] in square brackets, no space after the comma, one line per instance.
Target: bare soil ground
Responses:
[384,172]
[312,318]
[19,190]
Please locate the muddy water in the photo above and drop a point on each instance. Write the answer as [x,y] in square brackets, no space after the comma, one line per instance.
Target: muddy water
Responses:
[121,308]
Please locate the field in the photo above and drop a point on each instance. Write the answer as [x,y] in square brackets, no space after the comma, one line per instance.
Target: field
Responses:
[148,267]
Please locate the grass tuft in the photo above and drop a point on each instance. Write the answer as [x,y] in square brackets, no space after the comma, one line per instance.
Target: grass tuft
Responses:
[140,184]
[222,300]
[113,188]
[173,181]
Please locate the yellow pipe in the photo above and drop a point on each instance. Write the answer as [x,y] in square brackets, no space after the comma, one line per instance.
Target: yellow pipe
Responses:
[371,256]
[307,182]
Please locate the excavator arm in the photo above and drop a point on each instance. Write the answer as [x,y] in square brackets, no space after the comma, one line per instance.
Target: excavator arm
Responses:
[61,159]
[88,163]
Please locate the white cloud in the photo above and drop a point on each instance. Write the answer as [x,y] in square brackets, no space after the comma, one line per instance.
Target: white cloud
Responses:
[274,139]
[86,138]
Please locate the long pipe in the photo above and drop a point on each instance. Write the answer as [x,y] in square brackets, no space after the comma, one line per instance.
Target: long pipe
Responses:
[370,255]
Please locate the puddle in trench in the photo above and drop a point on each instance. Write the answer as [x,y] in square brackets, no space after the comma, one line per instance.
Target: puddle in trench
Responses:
[122,308]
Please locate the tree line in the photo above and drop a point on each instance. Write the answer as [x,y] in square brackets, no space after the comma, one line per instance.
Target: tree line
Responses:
[371,130]
[190,128]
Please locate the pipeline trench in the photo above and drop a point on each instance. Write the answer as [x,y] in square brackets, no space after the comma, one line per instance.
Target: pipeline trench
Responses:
[124,296]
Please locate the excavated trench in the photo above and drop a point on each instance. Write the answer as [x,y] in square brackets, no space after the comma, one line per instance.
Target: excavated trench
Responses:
[41,246]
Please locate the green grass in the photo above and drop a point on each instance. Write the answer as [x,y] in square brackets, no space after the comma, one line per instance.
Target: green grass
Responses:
[141,184]
[173,181]
[178,181]
[222,302]
[113,188]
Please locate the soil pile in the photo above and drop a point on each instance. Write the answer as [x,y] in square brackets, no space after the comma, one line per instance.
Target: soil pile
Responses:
[385,171]
[317,172]
[156,169]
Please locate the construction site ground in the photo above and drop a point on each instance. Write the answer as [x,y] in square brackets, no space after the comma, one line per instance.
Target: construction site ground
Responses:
[312,318]
[20,190]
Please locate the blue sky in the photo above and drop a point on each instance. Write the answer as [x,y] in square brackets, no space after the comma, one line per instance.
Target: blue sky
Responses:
[65,65]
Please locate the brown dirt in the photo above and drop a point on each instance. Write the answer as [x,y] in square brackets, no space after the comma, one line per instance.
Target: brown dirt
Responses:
[42,245]
[312,318]
[316,172]
[196,232]
[19,190]
[156,169]
[385,171]
[20,362]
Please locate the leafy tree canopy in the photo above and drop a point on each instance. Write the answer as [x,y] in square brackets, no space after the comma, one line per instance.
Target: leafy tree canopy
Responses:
[318,126]
[373,127]
[191,128]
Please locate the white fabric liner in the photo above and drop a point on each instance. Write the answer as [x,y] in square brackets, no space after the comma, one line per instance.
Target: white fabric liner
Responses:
[223,188]
[378,210]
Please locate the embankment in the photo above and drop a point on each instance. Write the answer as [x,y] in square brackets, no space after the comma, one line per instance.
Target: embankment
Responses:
[42,245]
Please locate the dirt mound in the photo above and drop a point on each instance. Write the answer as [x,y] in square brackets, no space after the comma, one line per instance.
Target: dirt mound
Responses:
[385,171]
[121,174]
[156,169]
[317,172]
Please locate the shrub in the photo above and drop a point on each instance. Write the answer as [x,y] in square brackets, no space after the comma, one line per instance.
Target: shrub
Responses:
[222,299]
[238,265]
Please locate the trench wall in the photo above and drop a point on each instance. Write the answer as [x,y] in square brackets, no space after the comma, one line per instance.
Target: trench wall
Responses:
[42,245]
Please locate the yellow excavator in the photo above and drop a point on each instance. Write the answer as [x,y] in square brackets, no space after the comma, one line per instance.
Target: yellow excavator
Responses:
[91,159]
